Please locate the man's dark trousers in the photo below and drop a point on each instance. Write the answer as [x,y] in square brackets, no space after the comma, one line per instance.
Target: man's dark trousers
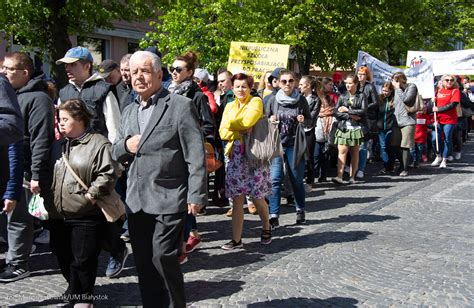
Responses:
[156,241]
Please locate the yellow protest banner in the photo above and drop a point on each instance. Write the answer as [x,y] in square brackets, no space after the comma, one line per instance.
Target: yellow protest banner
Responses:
[256,58]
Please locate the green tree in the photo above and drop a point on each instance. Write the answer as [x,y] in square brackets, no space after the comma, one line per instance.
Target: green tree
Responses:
[45,25]
[327,33]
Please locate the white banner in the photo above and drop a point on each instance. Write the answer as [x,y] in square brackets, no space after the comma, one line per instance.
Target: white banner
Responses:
[421,75]
[459,62]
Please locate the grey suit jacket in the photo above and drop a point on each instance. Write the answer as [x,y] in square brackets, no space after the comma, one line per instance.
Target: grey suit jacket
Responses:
[169,169]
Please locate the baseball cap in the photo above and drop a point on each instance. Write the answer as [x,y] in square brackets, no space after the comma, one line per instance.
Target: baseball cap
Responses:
[106,67]
[76,53]
[201,74]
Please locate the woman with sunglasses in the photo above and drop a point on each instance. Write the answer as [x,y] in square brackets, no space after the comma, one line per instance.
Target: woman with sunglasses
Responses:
[447,98]
[182,83]
[291,110]
[350,112]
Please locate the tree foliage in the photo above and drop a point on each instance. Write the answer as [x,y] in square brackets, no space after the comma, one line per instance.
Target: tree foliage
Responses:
[45,25]
[327,33]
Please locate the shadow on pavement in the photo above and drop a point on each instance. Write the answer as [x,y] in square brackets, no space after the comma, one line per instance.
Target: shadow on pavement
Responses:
[308,302]
[201,290]
[254,252]
[354,218]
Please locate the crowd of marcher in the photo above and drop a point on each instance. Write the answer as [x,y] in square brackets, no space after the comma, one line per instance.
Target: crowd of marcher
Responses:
[140,129]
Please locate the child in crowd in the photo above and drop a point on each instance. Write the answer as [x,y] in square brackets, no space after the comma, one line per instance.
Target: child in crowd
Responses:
[421,134]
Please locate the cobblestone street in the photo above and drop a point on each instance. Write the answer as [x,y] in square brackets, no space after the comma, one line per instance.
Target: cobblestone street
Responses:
[385,241]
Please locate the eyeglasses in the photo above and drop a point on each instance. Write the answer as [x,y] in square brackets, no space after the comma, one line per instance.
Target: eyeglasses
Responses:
[178,69]
[11,70]
[449,80]
[284,81]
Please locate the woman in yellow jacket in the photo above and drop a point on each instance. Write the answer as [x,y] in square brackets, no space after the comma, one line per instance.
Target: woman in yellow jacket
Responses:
[241,180]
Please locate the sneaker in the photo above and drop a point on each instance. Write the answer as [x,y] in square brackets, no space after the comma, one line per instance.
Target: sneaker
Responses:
[274,223]
[403,173]
[125,236]
[450,158]
[229,213]
[192,243]
[300,217]
[308,188]
[437,161]
[266,237]
[252,208]
[337,181]
[232,245]
[351,181]
[115,266]
[42,238]
[13,273]
[443,164]
[183,258]
[202,211]
[457,155]
[360,174]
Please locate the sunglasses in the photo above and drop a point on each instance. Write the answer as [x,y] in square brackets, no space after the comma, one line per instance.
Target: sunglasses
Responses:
[178,69]
[283,81]
[449,80]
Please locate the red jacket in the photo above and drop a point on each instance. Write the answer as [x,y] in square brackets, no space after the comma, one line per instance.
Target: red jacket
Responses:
[421,130]
[211,99]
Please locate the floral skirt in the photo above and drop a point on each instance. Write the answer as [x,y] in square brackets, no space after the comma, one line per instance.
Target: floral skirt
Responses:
[350,137]
[240,179]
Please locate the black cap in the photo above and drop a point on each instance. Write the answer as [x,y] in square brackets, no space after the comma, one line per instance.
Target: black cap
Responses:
[276,72]
[106,67]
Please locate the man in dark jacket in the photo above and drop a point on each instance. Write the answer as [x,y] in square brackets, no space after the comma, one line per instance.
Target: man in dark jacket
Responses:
[11,126]
[38,111]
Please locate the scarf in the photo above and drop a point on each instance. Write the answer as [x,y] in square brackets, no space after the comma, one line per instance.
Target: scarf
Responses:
[287,101]
[181,87]
[326,113]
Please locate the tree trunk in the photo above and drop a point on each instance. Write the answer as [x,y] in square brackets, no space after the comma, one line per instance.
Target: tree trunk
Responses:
[57,40]
[304,58]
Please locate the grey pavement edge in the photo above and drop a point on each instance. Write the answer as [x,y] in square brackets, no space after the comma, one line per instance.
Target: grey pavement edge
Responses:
[384,241]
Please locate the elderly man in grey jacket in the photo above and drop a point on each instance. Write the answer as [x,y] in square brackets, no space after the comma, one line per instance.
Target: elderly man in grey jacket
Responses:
[160,136]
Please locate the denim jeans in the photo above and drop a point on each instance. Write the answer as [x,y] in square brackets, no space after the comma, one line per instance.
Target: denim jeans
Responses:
[417,152]
[321,160]
[386,152]
[296,175]
[362,156]
[446,147]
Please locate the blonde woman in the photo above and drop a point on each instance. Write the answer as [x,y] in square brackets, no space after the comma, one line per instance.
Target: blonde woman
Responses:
[447,98]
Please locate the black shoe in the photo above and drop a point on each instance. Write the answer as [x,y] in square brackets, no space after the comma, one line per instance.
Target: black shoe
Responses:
[322,179]
[290,201]
[300,217]
[232,245]
[13,273]
[274,223]
[266,237]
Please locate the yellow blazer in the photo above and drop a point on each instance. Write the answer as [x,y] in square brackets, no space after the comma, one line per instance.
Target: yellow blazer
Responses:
[238,119]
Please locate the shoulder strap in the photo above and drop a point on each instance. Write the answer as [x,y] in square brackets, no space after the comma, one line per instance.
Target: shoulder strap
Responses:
[74,174]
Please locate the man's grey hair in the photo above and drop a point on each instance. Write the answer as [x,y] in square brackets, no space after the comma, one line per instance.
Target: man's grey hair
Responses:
[155,60]
[126,58]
